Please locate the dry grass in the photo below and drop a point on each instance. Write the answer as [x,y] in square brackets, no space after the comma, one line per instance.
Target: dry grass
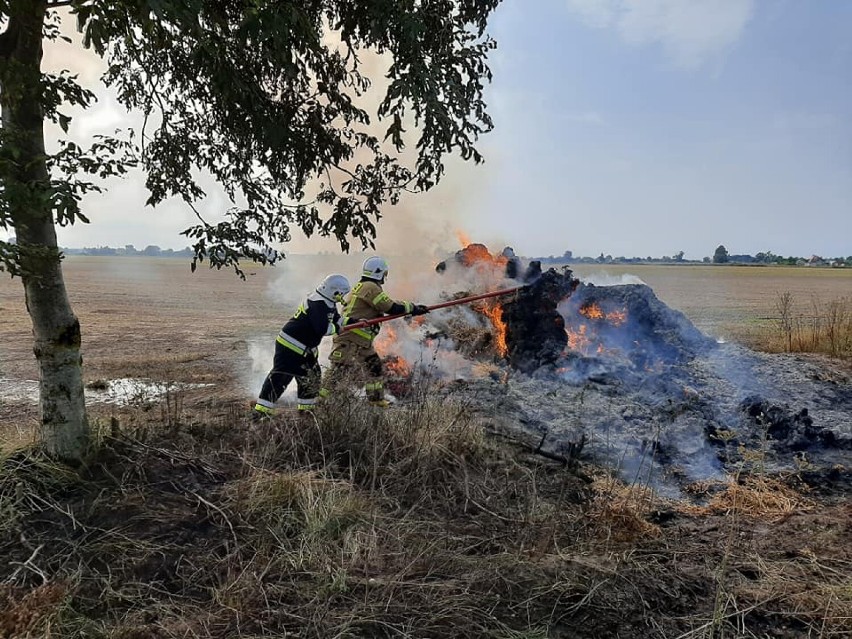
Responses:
[803,586]
[407,522]
[31,613]
[754,496]
[471,340]
[809,326]
[809,587]
[364,522]
[620,511]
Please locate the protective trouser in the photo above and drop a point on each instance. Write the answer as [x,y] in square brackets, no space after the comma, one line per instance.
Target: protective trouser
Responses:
[361,362]
[287,365]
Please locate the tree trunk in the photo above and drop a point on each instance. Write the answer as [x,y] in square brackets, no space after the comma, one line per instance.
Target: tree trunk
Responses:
[65,428]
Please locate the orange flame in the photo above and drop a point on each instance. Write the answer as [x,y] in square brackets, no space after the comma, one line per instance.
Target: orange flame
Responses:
[394,364]
[578,340]
[488,267]
[479,254]
[397,366]
[495,314]
[592,311]
[584,338]
[617,318]
[385,338]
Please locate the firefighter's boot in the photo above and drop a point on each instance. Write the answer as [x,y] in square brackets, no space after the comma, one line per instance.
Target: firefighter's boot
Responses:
[376,394]
[305,409]
[261,412]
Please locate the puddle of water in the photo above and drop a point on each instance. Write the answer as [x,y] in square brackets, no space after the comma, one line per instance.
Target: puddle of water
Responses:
[122,391]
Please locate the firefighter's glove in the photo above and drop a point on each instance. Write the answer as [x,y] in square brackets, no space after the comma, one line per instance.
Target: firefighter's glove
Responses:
[419,309]
[311,356]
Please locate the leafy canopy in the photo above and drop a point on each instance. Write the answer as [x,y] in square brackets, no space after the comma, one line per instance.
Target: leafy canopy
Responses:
[264,96]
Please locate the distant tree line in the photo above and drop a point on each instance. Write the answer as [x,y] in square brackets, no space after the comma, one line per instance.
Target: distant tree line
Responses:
[130,251]
[151,250]
[720,256]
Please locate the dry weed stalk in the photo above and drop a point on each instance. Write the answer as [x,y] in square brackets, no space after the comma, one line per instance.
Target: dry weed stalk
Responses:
[823,329]
[755,496]
[620,510]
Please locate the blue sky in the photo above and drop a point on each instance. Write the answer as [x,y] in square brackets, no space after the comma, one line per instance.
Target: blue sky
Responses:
[646,127]
[628,127]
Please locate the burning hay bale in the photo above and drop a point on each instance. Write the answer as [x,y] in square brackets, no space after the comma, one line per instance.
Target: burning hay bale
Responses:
[535,330]
[472,340]
[555,321]
[506,264]
[631,321]
[616,368]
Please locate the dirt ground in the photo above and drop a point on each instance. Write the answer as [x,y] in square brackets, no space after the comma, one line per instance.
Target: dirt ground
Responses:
[188,523]
[145,318]
[141,315]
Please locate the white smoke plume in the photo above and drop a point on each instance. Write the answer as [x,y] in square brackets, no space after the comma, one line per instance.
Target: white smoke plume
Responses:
[422,343]
[605,279]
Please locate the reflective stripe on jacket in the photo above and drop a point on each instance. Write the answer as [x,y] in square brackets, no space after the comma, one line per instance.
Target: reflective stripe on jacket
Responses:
[313,320]
[368,301]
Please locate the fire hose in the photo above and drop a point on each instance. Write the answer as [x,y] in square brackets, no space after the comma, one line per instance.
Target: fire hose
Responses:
[461,300]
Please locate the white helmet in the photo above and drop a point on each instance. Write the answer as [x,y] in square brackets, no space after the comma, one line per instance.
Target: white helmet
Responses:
[375,268]
[334,288]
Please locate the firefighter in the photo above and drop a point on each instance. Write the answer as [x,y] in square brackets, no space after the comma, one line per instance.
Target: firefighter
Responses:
[296,347]
[353,350]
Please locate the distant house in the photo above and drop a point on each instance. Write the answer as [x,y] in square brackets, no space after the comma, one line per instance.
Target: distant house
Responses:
[816,260]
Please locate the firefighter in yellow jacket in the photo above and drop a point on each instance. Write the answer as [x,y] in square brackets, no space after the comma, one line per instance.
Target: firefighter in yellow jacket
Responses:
[353,350]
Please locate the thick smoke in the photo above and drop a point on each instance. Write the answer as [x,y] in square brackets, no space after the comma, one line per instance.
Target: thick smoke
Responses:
[423,223]
[423,344]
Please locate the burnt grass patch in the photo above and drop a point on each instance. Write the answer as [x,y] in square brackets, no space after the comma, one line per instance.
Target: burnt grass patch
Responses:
[409,522]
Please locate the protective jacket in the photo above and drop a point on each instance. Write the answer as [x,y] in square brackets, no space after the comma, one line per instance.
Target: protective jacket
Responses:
[368,301]
[315,318]
[296,354]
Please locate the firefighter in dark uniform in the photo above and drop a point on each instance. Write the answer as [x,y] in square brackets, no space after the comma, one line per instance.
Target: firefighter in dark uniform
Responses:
[296,347]
[353,351]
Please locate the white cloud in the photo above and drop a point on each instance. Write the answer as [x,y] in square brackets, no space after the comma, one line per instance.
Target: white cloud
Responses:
[692,32]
